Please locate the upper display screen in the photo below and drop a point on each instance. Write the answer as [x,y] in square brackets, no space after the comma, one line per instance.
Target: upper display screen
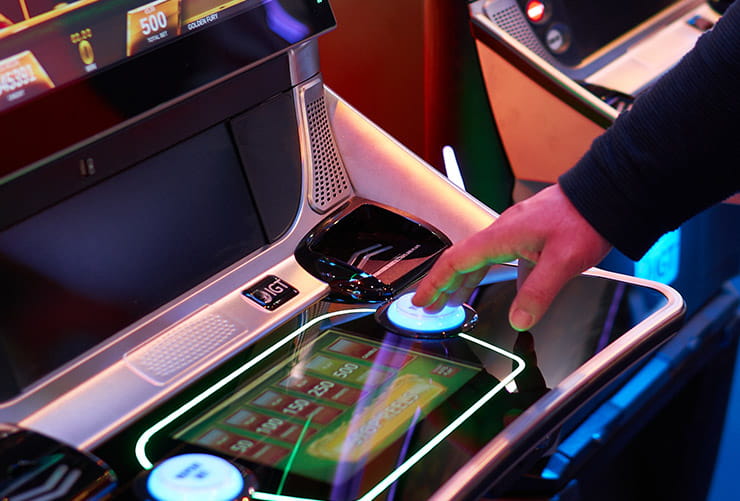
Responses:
[43,46]
[70,71]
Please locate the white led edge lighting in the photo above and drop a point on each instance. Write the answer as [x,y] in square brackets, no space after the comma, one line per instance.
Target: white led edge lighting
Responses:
[387,481]
[452,168]
[403,468]
[140,448]
[266,496]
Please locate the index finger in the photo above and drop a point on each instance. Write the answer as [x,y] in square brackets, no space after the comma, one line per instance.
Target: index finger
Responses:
[469,257]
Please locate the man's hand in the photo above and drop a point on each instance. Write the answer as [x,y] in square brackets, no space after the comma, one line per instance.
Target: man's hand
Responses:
[552,241]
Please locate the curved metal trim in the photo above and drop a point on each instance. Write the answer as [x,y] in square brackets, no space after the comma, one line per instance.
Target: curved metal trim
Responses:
[500,455]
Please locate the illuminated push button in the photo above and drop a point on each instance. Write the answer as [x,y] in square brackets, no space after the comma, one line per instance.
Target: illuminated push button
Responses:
[404,314]
[195,477]
[402,317]
[537,11]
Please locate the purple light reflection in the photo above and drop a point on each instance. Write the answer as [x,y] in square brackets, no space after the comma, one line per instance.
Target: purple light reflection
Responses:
[283,24]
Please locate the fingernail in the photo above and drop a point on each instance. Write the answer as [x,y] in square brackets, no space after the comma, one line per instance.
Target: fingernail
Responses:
[521,320]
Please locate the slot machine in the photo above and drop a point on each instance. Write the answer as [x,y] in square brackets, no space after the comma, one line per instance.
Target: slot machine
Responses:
[559,72]
[207,255]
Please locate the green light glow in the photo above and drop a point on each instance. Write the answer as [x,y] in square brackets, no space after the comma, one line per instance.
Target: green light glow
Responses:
[266,496]
[293,454]
[387,481]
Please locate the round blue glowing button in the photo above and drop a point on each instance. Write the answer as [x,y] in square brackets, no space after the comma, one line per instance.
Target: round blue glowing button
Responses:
[405,315]
[195,477]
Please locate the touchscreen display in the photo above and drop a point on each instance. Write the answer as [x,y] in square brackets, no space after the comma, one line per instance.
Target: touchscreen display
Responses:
[345,412]
[348,400]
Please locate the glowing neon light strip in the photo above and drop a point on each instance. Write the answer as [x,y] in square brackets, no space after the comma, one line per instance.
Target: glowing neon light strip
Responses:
[387,481]
[266,496]
[293,454]
[140,448]
[452,168]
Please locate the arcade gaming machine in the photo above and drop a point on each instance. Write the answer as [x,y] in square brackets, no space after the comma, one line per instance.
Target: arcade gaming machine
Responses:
[576,64]
[206,258]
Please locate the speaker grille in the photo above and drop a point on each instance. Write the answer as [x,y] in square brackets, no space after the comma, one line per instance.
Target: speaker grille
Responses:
[182,345]
[511,19]
[330,182]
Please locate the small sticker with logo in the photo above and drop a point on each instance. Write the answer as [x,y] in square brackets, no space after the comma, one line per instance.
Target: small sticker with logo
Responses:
[270,292]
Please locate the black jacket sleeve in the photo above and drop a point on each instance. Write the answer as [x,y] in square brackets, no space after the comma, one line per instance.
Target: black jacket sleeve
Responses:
[673,155]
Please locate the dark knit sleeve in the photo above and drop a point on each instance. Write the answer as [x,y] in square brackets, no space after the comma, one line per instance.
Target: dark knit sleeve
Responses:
[673,155]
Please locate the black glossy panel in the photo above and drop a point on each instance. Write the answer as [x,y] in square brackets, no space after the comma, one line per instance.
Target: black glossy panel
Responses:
[268,144]
[369,253]
[76,273]
[56,180]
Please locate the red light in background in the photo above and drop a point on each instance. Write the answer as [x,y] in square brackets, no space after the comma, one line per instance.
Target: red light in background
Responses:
[535,11]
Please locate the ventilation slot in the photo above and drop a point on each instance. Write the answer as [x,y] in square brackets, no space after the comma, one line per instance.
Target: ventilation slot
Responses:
[181,346]
[330,182]
[512,21]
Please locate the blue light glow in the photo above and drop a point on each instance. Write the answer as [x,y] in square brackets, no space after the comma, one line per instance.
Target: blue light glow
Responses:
[662,262]
[407,316]
[200,477]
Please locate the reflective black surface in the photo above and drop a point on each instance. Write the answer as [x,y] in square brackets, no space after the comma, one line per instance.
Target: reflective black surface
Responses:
[368,253]
[76,273]
[35,466]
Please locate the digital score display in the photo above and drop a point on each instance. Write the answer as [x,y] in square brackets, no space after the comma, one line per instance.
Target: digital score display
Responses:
[79,70]
[151,24]
[21,75]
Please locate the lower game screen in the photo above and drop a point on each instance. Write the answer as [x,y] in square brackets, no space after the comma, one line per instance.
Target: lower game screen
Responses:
[78,272]
[334,408]
[348,399]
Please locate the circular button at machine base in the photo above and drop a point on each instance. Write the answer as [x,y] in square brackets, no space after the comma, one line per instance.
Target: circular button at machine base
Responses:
[402,317]
[198,477]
